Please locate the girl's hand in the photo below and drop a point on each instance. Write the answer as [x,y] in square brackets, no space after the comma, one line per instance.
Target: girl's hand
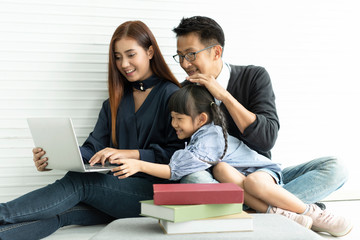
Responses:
[127,167]
[40,163]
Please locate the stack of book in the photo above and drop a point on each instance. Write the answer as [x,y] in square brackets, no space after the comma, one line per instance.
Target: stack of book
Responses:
[198,208]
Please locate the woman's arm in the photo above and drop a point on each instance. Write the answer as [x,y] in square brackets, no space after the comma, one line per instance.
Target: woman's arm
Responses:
[128,167]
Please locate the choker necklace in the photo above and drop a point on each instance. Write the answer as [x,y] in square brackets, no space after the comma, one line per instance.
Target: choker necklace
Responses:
[145,84]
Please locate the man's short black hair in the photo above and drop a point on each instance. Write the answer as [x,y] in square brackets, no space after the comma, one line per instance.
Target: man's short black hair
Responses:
[208,30]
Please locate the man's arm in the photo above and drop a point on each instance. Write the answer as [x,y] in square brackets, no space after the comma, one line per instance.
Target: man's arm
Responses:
[241,116]
[251,86]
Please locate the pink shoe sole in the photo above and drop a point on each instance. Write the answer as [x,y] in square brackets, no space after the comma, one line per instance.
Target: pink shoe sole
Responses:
[335,234]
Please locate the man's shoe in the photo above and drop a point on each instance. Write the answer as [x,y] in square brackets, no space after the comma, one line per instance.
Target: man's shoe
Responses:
[303,220]
[324,221]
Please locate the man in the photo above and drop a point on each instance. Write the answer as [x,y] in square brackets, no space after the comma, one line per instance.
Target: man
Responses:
[248,101]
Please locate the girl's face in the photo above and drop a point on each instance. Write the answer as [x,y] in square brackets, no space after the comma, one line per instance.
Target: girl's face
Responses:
[132,60]
[184,125]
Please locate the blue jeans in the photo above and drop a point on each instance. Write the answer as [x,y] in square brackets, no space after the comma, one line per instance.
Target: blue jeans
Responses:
[76,199]
[311,181]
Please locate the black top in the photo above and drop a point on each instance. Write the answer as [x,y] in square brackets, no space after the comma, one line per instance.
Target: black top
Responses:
[251,86]
[149,129]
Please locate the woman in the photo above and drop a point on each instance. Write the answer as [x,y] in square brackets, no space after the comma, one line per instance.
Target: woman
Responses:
[133,123]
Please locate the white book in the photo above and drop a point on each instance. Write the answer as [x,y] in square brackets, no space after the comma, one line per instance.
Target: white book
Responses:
[228,223]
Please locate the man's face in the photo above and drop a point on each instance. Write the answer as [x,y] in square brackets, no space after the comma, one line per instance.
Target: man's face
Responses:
[204,61]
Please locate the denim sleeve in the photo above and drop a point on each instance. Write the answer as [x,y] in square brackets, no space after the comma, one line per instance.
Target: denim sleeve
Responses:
[208,143]
[206,146]
[184,162]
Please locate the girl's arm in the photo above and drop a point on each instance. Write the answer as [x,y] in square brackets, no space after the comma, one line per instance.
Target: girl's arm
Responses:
[128,167]
[207,147]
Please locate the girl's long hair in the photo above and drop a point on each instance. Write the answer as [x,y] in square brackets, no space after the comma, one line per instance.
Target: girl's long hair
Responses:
[138,31]
[192,100]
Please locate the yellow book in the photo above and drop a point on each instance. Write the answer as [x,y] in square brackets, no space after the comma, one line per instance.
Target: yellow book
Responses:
[228,223]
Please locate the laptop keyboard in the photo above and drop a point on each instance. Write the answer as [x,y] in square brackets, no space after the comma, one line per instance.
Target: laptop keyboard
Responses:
[88,166]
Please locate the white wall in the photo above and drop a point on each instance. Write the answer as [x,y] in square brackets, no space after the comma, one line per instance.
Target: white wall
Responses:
[311,50]
[53,62]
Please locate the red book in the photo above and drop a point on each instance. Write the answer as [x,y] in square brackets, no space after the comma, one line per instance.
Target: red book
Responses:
[197,193]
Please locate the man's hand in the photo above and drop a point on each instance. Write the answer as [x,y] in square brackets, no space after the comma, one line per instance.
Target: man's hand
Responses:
[210,83]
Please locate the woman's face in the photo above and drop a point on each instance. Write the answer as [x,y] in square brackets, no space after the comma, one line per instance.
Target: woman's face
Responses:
[132,60]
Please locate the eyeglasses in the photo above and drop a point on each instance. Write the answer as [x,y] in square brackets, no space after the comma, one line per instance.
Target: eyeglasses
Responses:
[191,56]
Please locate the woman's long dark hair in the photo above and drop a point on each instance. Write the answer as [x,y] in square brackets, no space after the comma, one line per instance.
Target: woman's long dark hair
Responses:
[138,31]
[193,100]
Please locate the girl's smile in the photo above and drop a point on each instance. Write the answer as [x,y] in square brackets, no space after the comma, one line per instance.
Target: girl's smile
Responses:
[184,125]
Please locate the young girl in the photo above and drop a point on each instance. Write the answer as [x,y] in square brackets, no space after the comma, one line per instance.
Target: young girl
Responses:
[133,123]
[196,116]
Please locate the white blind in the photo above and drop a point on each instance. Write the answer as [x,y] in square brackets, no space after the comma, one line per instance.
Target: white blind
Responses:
[53,62]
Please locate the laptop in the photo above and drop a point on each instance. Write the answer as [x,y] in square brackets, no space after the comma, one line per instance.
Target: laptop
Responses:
[57,137]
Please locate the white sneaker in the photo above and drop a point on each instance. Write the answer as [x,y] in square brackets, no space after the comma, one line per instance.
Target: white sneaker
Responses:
[324,221]
[303,220]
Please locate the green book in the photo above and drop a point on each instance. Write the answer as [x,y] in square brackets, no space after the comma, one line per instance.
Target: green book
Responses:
[182,213]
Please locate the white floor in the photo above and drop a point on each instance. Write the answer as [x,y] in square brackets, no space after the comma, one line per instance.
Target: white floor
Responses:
[350,209]
[75,232]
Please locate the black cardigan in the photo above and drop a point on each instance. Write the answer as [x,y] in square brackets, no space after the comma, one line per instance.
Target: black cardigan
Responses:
[149,129]
[251,86]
